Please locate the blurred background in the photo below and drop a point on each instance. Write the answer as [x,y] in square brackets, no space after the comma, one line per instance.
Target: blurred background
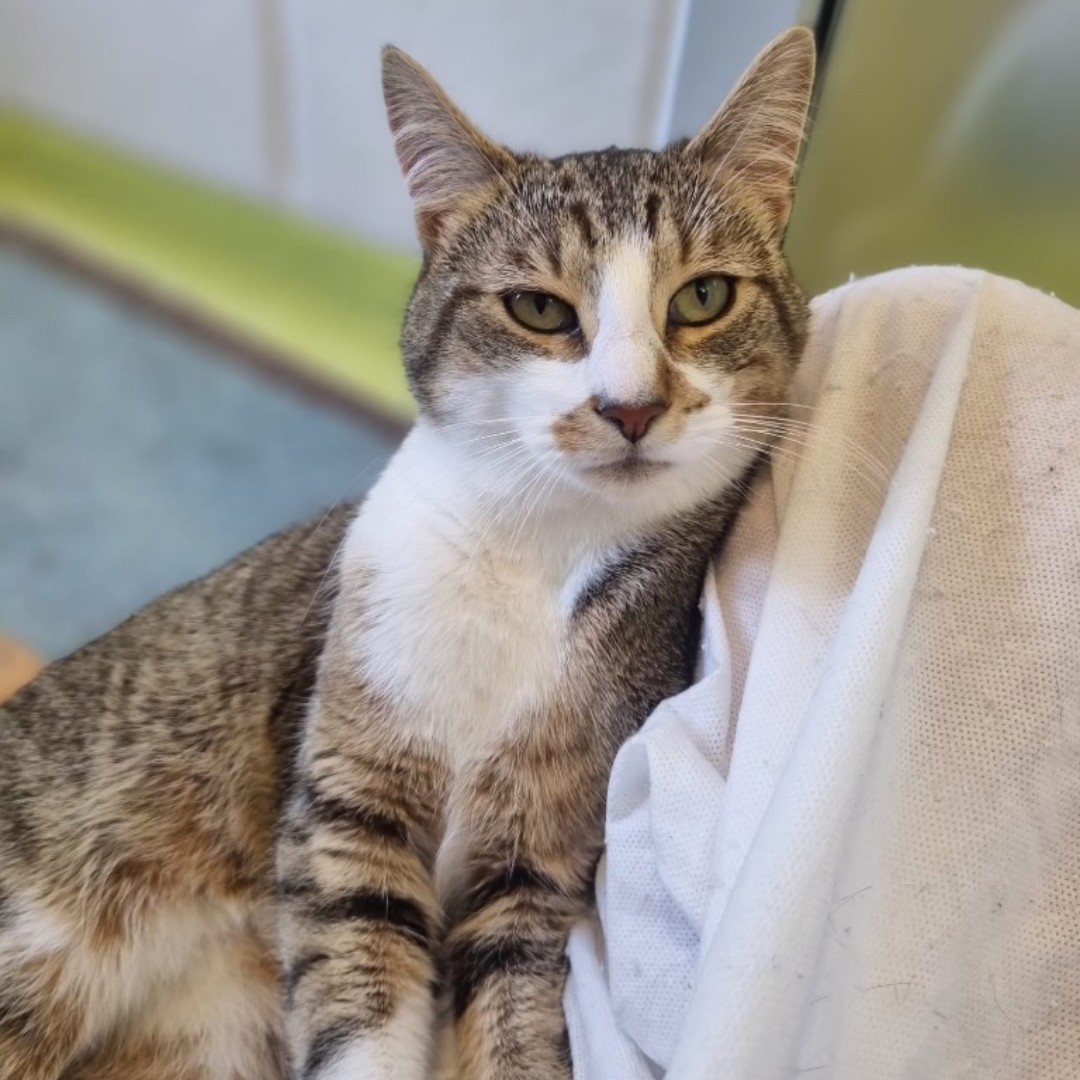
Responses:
[205,245]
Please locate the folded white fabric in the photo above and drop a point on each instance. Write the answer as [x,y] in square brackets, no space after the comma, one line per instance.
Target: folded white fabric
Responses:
[852,849]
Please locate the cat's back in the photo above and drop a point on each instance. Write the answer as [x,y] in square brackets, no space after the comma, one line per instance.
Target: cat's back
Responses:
[191,700]
[140,783]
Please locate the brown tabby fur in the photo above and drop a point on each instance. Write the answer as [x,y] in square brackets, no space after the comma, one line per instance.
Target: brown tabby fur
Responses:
[225,854]
[143,773]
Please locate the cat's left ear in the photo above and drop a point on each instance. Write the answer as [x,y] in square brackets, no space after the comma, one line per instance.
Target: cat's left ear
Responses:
[447,162]
[754,138]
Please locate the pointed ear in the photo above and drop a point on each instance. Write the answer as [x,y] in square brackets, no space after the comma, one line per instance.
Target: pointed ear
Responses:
[446,161]
[755,136]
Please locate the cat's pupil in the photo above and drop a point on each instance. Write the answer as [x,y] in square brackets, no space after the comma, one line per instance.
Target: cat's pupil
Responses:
[701,290]
[541,303]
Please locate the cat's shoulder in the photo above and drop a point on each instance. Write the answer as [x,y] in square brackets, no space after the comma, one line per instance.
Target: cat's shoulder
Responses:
[264,599]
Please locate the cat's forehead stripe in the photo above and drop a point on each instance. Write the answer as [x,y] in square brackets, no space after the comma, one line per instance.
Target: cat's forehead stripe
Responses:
[652,209]
[583,220]
[592,200]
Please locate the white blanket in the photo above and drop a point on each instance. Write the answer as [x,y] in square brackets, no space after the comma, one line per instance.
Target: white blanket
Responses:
[852,849]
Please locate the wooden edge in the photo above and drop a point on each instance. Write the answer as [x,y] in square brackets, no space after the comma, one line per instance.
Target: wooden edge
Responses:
[18,666]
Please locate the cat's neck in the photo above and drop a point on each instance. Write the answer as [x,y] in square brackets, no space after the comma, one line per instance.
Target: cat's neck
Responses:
[469,603]
[434,489]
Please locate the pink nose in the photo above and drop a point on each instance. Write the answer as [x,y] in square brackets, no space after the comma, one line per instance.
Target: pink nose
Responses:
[633,420]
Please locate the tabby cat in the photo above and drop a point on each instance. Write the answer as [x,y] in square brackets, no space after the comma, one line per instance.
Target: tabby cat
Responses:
[330,812]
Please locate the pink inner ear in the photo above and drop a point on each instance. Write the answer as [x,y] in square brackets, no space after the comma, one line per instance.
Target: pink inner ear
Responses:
[756,134]
[443,156]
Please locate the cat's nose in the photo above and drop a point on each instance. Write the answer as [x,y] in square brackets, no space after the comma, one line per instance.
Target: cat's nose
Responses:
[632,420]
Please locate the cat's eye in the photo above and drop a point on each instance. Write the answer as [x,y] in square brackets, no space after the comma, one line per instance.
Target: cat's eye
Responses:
[701,301]
[541,312]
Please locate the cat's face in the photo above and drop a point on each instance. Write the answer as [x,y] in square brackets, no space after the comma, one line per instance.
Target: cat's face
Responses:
[621,322]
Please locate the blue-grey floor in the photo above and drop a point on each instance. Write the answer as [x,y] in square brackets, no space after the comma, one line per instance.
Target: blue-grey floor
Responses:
[132,459]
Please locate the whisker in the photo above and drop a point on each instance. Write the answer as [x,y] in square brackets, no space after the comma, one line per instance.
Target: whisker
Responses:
[807,435]
[871,440]
[534,485]
[491,455]
[494,510]
[504,443]
[785,423]
[544,493]
[792,449]
[489,435]
[494,420]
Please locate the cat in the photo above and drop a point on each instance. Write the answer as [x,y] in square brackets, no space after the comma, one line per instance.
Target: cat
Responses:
[330,811]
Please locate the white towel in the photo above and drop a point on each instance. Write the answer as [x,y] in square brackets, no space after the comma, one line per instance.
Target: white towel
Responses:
[852,849]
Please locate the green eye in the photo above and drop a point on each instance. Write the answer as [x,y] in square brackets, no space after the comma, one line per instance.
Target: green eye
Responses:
[701,300]
[541,312]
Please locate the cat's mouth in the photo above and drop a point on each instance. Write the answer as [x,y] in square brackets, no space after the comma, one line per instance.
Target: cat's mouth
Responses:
[626,469]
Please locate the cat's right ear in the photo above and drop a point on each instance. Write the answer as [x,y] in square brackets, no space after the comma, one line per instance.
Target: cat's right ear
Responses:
[448,164]
[755,136]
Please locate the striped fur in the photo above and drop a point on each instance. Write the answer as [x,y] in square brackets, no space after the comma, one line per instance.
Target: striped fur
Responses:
[330,812]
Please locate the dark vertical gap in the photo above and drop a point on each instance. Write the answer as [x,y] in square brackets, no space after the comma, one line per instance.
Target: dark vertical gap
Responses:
[824,31]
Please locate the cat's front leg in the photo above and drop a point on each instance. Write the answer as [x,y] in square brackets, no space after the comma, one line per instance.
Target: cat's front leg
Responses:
[531,820]
[358,917]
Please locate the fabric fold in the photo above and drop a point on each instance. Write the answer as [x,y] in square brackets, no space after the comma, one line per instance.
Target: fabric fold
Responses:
[848,849]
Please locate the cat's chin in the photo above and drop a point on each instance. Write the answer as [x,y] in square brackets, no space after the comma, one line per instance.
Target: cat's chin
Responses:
[649,484]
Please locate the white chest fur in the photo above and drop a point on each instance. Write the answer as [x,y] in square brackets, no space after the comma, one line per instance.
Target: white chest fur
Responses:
[465,623]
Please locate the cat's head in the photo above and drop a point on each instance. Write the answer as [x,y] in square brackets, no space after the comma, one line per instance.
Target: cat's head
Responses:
[619,322]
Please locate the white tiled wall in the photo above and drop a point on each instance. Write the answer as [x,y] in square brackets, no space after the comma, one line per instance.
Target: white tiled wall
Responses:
[178,80]
[559,76]
[280,98]
[722,37]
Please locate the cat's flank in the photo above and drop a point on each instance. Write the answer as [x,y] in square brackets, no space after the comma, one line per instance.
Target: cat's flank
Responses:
[330,812]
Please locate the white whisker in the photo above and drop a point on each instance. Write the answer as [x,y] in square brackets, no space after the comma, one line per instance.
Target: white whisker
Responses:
[807,435]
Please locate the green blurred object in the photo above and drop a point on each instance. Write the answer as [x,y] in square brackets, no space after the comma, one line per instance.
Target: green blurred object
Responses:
[331,305]
[946,133]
